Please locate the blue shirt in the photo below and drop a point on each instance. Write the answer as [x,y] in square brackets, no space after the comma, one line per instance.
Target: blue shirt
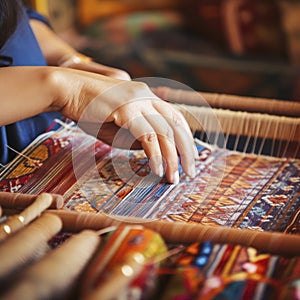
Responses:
[23,48]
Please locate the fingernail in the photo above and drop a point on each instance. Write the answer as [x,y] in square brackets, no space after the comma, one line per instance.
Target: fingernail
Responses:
[160,171]
[156,167]
[192,171]
[175,178]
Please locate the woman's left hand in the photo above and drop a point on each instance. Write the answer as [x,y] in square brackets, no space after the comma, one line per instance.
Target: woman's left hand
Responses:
[85,63]
[58,52]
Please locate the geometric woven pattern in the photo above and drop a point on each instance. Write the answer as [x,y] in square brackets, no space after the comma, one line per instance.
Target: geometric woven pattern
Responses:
[230,189]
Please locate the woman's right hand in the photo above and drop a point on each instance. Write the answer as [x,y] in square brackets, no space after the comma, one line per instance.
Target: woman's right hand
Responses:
[122,110]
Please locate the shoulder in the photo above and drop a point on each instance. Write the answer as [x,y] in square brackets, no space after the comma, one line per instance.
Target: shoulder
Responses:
[32,14]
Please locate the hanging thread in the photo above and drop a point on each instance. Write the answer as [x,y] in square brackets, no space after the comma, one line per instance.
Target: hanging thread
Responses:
[33,161]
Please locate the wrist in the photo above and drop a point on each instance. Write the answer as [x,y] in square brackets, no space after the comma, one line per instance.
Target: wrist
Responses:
[57,84]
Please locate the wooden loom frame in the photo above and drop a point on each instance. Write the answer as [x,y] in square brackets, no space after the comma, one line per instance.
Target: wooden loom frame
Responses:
[273,243]
[30,207]
[259,118]
[36,281]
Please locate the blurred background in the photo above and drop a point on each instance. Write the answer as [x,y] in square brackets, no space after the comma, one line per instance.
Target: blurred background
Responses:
[241,47]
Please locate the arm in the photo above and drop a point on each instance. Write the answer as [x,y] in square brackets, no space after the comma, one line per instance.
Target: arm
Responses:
[103,103]
[59,53]
[20,87]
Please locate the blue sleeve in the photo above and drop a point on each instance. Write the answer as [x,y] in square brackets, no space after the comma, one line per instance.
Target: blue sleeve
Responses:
[32,14]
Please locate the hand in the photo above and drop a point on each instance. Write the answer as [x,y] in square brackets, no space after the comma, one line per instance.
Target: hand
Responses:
[59,53]
[127,114]
[84,63]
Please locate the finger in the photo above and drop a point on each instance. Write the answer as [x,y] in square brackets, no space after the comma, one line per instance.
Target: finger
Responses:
[182,136]
[167,145]
[172,114]
[140,128]
[111,134]
[102,69]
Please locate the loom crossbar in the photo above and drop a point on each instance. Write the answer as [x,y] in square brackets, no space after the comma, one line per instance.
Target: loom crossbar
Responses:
[241,123]
[177,232]
[231,102]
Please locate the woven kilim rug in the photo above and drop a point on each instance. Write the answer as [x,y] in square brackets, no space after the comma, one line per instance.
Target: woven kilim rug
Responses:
[230,189]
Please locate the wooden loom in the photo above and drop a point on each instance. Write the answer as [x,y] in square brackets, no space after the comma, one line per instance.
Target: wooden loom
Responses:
[263,120]
[218,116]
[253,122]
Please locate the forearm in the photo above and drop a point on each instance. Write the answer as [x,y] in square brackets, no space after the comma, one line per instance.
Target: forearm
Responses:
[59,53]
[28,91]
[54,48]
[25,92]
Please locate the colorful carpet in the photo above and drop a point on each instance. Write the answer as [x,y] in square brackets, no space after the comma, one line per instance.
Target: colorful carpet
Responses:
[230,189]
